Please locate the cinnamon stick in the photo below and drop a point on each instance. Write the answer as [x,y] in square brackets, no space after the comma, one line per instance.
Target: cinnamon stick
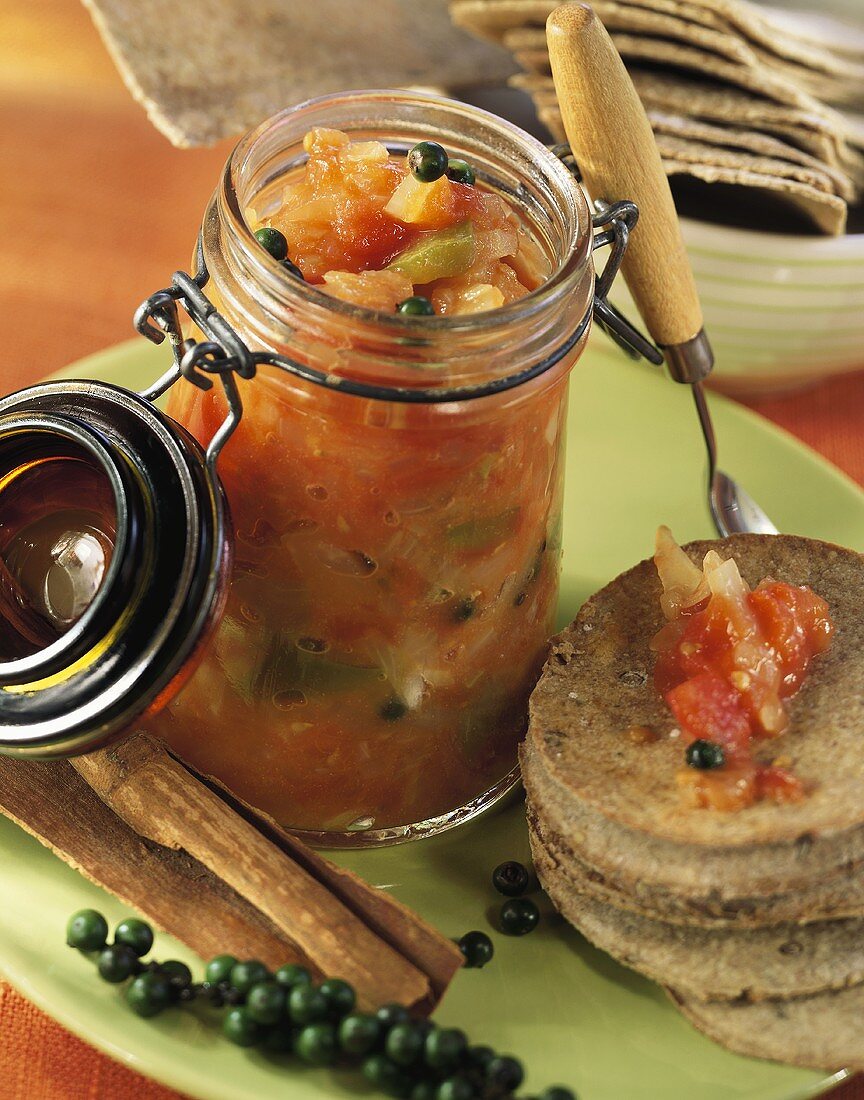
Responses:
[177,893]
[342,925]
[394,922]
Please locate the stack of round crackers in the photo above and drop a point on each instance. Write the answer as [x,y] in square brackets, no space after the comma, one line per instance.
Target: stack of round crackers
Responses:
[734,96]
[753,919]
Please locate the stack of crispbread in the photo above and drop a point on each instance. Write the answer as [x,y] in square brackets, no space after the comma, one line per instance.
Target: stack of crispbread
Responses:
[754,919]
[734,96]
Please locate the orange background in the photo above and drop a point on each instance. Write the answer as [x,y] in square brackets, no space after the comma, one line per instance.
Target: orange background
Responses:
[96,210]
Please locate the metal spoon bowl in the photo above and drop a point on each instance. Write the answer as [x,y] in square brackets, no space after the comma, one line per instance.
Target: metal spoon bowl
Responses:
[733,510]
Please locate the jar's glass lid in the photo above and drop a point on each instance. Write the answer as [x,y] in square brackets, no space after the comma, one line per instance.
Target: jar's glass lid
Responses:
[114,557]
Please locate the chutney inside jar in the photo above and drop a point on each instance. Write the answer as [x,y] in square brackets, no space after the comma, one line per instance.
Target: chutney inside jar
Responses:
[397,562]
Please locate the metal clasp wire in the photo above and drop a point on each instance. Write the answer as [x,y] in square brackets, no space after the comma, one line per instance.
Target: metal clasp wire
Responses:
[615,222]
[223,353]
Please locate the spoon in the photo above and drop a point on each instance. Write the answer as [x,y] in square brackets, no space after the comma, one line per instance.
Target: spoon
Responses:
[613,143]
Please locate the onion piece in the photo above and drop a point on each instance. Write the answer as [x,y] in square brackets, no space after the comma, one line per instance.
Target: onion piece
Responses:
[684,584]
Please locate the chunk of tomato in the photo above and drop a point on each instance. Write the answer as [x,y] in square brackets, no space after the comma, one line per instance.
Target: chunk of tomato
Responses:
[707,707]
[795,622]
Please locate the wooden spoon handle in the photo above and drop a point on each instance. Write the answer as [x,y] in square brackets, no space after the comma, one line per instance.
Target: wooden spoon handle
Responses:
[614,146]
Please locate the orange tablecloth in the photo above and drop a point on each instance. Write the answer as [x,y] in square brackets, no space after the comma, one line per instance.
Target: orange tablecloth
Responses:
[97,209]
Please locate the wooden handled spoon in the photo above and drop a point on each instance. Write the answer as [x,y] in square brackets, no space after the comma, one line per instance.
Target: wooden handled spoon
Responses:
[613,143]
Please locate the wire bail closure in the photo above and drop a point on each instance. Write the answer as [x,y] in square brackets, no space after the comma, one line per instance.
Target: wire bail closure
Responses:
[225,354]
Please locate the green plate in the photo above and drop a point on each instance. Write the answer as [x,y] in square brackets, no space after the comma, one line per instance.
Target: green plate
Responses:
[573,1015]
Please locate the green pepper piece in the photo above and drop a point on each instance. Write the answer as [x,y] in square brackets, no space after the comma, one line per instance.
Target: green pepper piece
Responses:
[287,668]
[476,534]
[440,255]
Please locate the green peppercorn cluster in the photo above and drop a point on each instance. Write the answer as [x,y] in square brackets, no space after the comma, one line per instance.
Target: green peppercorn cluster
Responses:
[287,1012]
[516,917]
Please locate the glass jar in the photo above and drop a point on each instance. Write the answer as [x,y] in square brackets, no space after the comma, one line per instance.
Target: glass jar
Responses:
[396,563]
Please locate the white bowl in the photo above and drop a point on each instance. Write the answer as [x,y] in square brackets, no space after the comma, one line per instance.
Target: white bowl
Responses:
[782,312]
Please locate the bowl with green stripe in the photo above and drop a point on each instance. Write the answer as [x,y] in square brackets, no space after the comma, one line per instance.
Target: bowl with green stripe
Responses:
[783,312]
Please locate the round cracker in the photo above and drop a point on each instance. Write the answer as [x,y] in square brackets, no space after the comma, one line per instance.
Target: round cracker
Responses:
[730,964]
[597,684]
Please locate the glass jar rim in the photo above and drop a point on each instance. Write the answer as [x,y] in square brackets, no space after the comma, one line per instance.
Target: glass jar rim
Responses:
[272,275]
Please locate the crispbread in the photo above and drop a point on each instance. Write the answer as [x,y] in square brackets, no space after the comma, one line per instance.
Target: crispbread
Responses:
[694,131]
[690,150]
[840,897]
[596,685]
[827,134]
[740,25]
[491,20]
[822,1032]
[715,880]
[828,211]
[710,964]
[624,18]
[765,82]
[212,69]
[713,101]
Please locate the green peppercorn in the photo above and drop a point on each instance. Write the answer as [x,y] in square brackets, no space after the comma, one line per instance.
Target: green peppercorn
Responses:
[391,1014]
[427,161]
[479,1057]
[340,997]
[518,916]
[219,969]
[705,755]
[445,1048]
[416,306]
[424,1090]
[248,973]
[307,1005]
[117,962]
[280,1038]
[265,1002]
[87,930]
[293,269]
[239,1028]
[272,241]
[557,1092]
[424,1025]
[385,1075]
[460,171]
[404,1044]
[359,1033]
[136,934]
[511,878]
[455,1088]
[149,994]
[292,974]
[505,1072]
[177,973]
[317,1044]
[476,948]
